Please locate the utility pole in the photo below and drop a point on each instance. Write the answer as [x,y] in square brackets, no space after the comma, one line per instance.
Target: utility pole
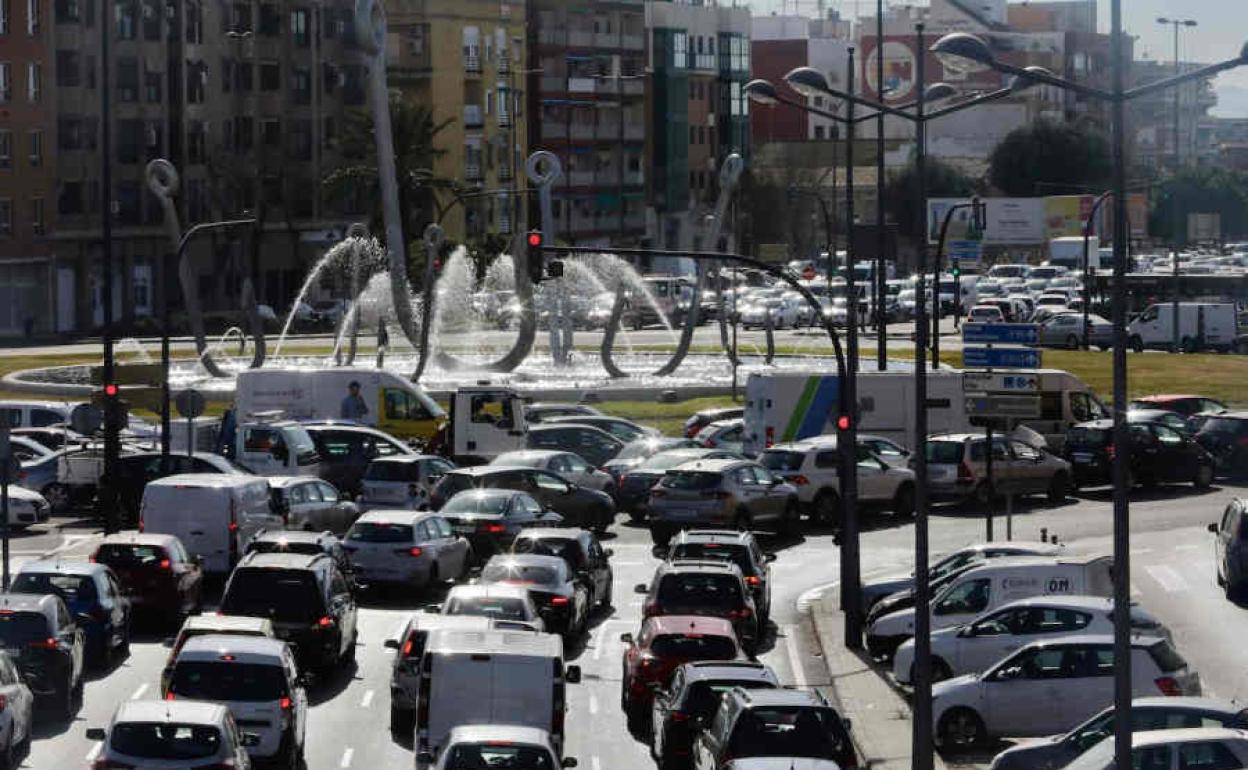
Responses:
[881,285]
[1176,221]
[112,438]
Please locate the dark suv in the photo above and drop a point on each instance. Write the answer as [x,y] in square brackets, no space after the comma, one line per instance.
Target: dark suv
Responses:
[307,598]
[47,645]
[774,723]
[740,548]
[578,506]
[706,587]
[1226,438]
[1159,454]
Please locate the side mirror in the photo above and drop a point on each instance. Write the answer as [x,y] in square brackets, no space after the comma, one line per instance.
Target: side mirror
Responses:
[391,644]
[964,632]
[168,641]
[96,734]
[572,675]
[568,762]
[626,638]
[659,552]
[249,740]
[1213,527]
[641,588]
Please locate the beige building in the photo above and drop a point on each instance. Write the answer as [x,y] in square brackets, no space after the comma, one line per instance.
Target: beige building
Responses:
[466,59]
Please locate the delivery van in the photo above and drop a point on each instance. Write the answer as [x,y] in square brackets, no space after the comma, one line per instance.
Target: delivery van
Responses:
[213,514]
[994,584]
[490,677]
[390,402]
[1202,326]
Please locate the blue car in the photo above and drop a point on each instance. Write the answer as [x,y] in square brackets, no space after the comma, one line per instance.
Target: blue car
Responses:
[94,598]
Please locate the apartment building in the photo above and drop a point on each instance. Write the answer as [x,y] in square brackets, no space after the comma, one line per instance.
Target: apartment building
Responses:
[587,104]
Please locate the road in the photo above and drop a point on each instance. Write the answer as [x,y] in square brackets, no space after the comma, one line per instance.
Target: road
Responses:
[1172,576]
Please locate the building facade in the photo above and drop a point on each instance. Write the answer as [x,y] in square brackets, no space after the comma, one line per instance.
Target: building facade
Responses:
[1152,119]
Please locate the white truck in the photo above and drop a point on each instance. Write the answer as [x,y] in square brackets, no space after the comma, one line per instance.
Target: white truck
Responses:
[789,406]
[1202,326]
[1067,252]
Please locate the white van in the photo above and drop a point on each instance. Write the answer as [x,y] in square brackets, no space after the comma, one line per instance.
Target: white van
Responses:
[998,582]
[36,414]
[1202,326]
[490,677]
[213,514]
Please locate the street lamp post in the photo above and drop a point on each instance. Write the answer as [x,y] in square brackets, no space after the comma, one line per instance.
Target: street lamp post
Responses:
[1176,223]
[112,437]
[881,287]
[968,52]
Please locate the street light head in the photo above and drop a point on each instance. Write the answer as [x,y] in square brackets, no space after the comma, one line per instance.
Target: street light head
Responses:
[937,91]
[1189,23]
[963,52]
[808,82]
[1162,20]
[1022,82]
[761,91]
[1243,54]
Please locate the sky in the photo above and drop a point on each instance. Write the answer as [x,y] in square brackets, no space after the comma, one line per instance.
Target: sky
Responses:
[1222,29]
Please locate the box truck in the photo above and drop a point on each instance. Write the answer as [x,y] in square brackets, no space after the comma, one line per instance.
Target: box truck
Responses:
[1202,326]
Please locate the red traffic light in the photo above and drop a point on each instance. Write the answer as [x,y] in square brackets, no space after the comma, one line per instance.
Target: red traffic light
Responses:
[535,239]
[111,390]
[842,422]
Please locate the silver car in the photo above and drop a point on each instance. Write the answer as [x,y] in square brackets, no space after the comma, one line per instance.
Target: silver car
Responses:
[312,505]
[566,464]
[173,734]
[720,493]
[405,481]
[958,470]
[1065,330]
[405,548]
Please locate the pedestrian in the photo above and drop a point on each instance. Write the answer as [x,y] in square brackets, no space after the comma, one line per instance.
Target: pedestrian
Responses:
[353,406]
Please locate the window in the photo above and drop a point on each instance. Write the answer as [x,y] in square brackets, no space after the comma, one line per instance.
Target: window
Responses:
[194,23]
[1166,435]
[196,141]
[70,200]
[401,405]
[124,18]
[6,216]
[6,82]
[67,11]
[34,142]
[299,27]
[129,140]
[240,17]
[33,14]
[301,85]
[4,17]
[1047,620]
[271,132]
[128,79]
[270,76]
[152,87]
[6,148]
[300,145]
[152,21]
[270,20]
[129,195]
[196,78]
[1024,452]
[680,50]
[965,598]
[244,76]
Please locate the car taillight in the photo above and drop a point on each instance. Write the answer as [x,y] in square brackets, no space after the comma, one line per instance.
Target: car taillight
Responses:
[964,474]
[325,622]
[285,703]
[44,644]
[716,494]
[646,662]
[753,580]
[407,648]
[1242,441]
[678,716]
[1109,450]
[141,525]
[799,480]
[492,529]
[4,702]
[166,564]
[413,551]
[559,601]
[744,612]
[169,695]
[648,609]
[1168,686]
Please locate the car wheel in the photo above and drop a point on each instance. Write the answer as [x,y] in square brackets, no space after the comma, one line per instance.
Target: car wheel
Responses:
[1059,487]
[7,756]
[983,495]
[903,501]
[65,706]
[57,495]
[961,728]
[605,599]
[827,507]
[1072,342]
[402,722]
[636,517]
[1137,344]
[348,655]
[1204,477]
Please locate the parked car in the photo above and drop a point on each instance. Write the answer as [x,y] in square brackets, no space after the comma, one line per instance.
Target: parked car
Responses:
[719,493]
[561,599]
[1147,714]
[402,481]
[499,601]
[889,451]
[1067,330]
[701,419]
[728,435]
[212,625]
[1158,454]
[308,600]
[405,548]
[1184,404]
[311,505]
[625,430]
[578,506]
[178,735]
[710,587]
[1226,438]
[53,437]
[564,464]
[738,547]
[346,451]
[985,314]
[92,593]
[957,469]
[27,449]
[662,644]
[155,572]
[690,700]
[798,725]
[136,470]
[487,746]
[1230,547]
[593,444]
[490,519]
[26,507]
[1213,747]
[542,411]
[1050,686]
[580,550]
[49,646]
[633,493]
[17,716]
[812,467]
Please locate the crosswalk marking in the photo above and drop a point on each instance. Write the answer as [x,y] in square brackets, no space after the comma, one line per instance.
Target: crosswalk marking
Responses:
[1168,578]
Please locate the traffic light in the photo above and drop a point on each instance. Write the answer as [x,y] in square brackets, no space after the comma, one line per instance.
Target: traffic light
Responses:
[536,258]
[955,271]
[111,390]
[842,422]
[116,411]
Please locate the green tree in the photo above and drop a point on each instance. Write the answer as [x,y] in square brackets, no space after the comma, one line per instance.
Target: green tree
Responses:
[943,181]
[1200,190]
[415,136]
[1047,158]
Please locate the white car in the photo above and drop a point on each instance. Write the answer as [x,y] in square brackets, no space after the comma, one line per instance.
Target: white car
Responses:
[474,746]
[500,601]
[568,465]
[1195,747]
[173,735]
[973,647]
[812,466]
[26,507]
[1051,686]
[403,481]
[17,716]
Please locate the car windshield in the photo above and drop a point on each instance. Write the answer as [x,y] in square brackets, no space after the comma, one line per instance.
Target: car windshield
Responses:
[704,697]
[284,595]
[382,471]
[228,681]
[19,628]
[504,607]
[701,589]
[520,574]
[951,564]
[1098,757]
[1166,657]
[471,502]
[735,553]
[777,731]
[124,555]
[379,532]
[693,647]
[1088,437]
[690,480]
[944,452]
[780,460]
[501,754]
[72,588]
[163,740]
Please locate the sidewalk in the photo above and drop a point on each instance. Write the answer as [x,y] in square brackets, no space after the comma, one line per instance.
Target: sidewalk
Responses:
[879,712]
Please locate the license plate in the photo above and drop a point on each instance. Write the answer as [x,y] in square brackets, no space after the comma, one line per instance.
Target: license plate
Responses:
[1082,457]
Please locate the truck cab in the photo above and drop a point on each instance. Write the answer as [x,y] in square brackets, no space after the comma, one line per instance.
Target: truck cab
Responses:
[485,421]
[269,446]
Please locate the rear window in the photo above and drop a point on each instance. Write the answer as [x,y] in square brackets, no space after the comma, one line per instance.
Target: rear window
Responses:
[737,554]
[228,681]
[779,460]
[694,647]
[568,550]
[284,595]
[18,628]
[379,471]
[665,460]
[704,697]
[1166,657]
[502,607]
[280,546]
[691,480]
[787,731]
[379,532]
[121,555]
[1088,437]
[162,740]
[475,502]
[944,452]
[71,588]
[701,590]
[475,756]
[520,575]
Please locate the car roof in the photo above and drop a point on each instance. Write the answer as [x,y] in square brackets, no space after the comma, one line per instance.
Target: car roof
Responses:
[1184,735]
[1163,397]
[134,537]
[281,482]
[506,733]
[171,711]
[213,646]
[206,480]
[321,426]
[405,458]
[521,455]
[527,560]
[1138,641]
[696,565]
[1023,561]
[1102,424]
[1192,702]
[503,590]
[741,670]
[280,560]
[485,470]
[779,696]
[553,533]
[290,536]
[58,567]
[1092,603]
[391,516]
[494,641]
[233,623]
[730,536]
[721,424]
[710,466]
[550,427]
[683,624]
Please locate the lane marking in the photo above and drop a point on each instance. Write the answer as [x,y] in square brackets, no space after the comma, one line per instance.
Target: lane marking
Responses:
[347,756]
[627,563]
[1139,551]
[599,638]
[1188,547]
[139,692]
[367,699]
[595,763]
[795,660]
[593,704]
[95,751]
[1168,577]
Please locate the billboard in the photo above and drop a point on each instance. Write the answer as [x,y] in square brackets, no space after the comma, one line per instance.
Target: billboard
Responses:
[1064,215]
[1009,221]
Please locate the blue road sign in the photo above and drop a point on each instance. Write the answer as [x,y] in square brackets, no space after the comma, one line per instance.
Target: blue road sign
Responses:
[1001,358]
[1002,334]
[965,252]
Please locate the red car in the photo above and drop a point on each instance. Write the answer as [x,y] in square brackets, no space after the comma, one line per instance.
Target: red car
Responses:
[662,644]
[156,571]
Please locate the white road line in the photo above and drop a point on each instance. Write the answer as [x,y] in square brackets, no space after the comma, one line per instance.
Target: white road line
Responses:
[95,751]
[593,704]
[599,639]
[595,763]
[1139,551]
[1187,547]
[347,755]
[627,563]
[795,660]
[1134,590]
[139,692]
[367,699]
[1168,577]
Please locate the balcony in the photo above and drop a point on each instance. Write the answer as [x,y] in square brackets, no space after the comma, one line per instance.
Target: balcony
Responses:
[634,131]
[554,84]
[608,130]
[473,117]
[607,39]
[552,129]
[582,85]
[472,172]
[632,85]
[581,37]
[503,63]
[582,130]
[472,64]
[504,119]
[504,173]
[581,178]
[633,42]
[504,225]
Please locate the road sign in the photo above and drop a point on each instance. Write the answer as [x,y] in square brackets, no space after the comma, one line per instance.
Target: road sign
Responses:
[190,403]
[991,382]
[1001,358]
[86,419]
[965,252]
[1002,405]
[1003,334]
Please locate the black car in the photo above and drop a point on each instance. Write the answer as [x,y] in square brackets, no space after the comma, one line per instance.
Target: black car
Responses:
[299,541]
[307,598]
[740,548]
[346,450]
[134,471]
[585,556]
[1226,438]
[48,646]
[593,444]
[633,488]
[1158,454]
[577,505]
[561,599]
[1163,416]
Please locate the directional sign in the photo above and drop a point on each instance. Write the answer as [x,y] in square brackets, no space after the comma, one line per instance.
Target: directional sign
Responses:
[1001,358]
[991,382]
[1002,405]
[1003,334]
[965,252]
